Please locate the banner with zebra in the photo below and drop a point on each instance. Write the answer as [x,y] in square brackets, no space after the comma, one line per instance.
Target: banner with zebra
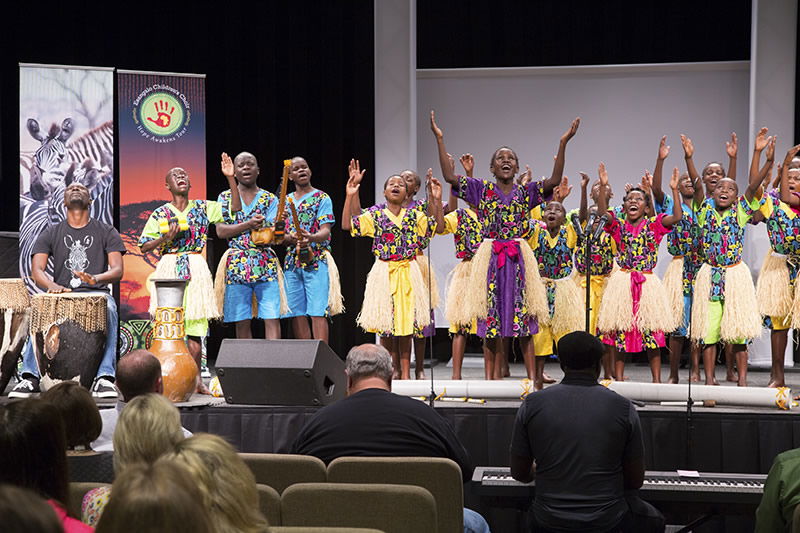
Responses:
[66,135]
[161,126]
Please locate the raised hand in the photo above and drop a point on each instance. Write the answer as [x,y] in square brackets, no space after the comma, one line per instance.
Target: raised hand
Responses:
[437,131]
[628,187]
[468,162]
[790,155]
[526,177]
[226,165]
[663,149]
[732,146]
[688,147]
[647,182]
[675,179]
[584,180]
[452,163]
[762,140]
[771,148]
[355,173]
[572,130]
[603,175]
[777,180]
[562,190]
[84,277]
[434,187]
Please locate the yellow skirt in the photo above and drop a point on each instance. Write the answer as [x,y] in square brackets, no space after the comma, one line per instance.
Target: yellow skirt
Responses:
[395,298]
[598,287]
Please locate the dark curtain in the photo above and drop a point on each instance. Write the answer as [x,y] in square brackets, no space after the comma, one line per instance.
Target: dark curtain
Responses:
[283,79]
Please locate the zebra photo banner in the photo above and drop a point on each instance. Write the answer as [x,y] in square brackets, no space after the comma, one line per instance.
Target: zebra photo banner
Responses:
[66,134]
[161,126]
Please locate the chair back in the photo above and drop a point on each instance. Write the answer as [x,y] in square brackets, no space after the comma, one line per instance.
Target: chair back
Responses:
[388,508]
[796,520]
[269,503]
[439,476]
[300,529]
[279,470]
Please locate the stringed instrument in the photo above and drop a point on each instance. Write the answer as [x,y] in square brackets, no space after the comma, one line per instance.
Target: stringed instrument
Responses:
[303,252]
[275,234]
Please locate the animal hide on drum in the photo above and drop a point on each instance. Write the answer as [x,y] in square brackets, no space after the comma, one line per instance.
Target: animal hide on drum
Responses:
[66,351]
[14,329]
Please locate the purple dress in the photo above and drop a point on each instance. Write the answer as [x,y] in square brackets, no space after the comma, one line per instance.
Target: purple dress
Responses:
[504,218]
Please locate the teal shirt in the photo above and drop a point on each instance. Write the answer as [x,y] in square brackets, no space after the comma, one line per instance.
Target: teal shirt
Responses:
[781,494]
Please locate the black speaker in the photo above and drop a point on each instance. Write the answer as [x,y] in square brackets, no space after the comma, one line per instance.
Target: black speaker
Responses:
[284,372]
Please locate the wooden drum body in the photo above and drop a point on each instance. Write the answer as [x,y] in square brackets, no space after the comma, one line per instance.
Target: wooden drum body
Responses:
[15,313]
[69,336]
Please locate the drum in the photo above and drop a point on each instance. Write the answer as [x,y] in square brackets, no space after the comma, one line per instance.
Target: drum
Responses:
[262,236]
[15,312]
[68,331]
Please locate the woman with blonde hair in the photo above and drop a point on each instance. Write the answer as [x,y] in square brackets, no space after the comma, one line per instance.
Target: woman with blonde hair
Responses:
[148,427]
[159,498]
[227,484]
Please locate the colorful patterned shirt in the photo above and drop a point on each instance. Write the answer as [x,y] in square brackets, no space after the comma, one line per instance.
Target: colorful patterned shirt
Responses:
[395,238]
[502,216]
[783,225]
[601,255]
[722,238]
[249,262]
[463,224]
[198,215]
[554,254]
[684,240]
[637,244]
[313,210]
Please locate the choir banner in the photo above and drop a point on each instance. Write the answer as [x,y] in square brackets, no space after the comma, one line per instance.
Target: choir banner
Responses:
[66,135]
[161,126]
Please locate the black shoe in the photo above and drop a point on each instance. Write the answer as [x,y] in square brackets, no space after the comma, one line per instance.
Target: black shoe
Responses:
[25,388]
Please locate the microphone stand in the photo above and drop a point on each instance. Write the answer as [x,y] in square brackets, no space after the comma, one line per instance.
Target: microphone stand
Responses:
[430,307]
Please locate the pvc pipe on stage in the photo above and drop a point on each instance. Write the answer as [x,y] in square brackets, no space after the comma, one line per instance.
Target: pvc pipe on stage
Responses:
[648,392]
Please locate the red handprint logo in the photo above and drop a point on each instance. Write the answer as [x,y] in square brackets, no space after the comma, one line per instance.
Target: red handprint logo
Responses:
[163,114]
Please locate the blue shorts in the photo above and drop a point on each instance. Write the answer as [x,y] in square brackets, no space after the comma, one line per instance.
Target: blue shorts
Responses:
[239,300]
[307,291]
[683,329]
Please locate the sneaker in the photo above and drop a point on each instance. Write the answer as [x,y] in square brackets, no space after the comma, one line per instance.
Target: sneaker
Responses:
[103,388]
[25,388]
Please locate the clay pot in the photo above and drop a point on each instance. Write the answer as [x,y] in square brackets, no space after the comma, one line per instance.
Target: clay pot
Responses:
[178,369]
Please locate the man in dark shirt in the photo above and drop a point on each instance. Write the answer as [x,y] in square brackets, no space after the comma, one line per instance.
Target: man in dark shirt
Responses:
[583,444]
[373,421]
[87,258]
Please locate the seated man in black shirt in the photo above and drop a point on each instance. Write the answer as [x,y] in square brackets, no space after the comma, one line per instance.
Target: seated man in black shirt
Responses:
[583,444]
[372,421]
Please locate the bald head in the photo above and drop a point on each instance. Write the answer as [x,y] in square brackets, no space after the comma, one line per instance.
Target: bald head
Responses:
[243,155]
[139,372]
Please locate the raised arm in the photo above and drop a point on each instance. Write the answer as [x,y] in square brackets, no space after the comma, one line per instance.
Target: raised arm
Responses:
[583,209]
[647,186]
[352,203]
[663,152]
[435,203]
[755,176]
[562,190]
[558,164]
[786,195]
[732,148]
[602,198]
[444,159]
[227,170]
[688,152]
[677,211]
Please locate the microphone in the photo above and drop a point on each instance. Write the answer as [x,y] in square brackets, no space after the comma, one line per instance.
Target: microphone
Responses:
[576,223]
[600,226]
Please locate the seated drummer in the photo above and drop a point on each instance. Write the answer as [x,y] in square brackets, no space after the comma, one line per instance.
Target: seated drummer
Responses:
[87,258]
[583,444]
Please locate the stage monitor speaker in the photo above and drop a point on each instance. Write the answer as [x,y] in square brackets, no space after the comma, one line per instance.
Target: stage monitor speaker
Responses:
[281,372]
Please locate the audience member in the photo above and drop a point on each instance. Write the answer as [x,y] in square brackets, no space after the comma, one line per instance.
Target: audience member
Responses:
[228,485]
[781,494]
[25,512]
[138,372]
[82,425]
[372,421]
[33,454]
[583,444]
[160,498]
[148,427]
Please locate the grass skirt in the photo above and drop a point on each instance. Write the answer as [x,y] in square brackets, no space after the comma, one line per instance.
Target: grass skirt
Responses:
[429,276]
[773,289]
[198,299]
[616,307]
[568,311]
[456,292]
[335,298]
[673,285]
[740,317]
[394,310]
